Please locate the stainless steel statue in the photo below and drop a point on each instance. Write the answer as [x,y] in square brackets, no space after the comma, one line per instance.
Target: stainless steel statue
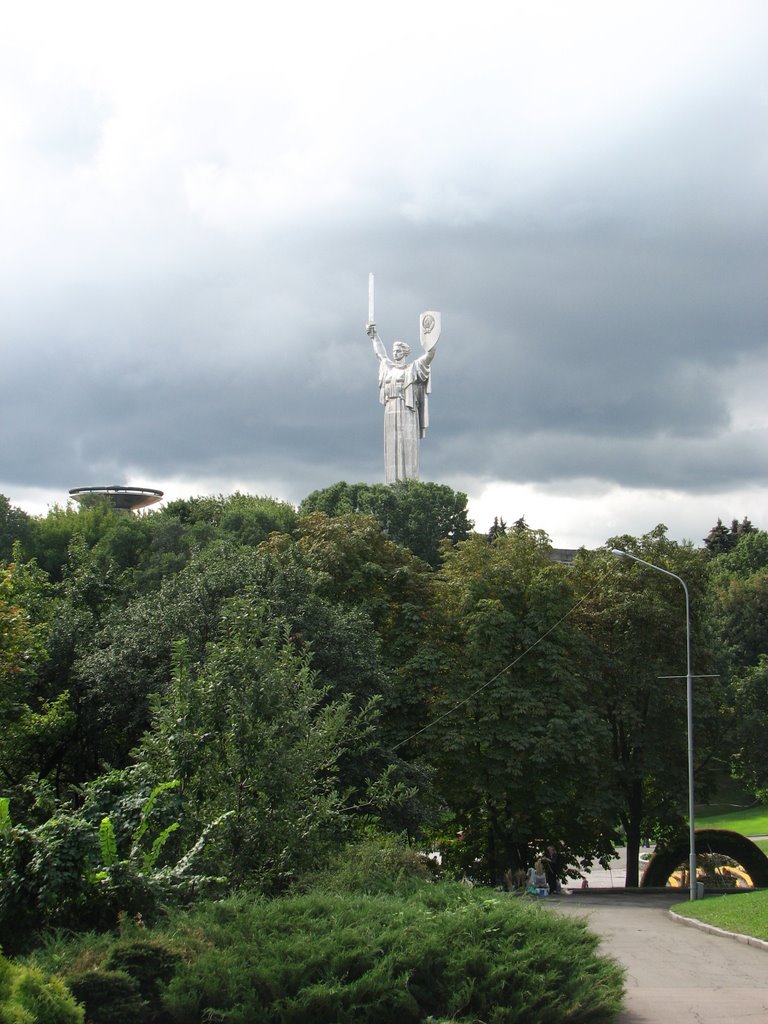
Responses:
[403,391]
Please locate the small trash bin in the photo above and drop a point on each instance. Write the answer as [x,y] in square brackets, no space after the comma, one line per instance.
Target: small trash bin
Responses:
[699,890]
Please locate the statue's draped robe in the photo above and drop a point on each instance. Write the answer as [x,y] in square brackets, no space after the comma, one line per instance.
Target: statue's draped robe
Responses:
[403,392]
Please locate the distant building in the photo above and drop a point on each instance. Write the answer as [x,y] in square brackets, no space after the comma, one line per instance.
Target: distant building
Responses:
[128,499]
[564,555]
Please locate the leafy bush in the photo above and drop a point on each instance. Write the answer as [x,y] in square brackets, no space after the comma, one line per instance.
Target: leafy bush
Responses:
[44,877]
[378,864]
[444,951]
[74,872]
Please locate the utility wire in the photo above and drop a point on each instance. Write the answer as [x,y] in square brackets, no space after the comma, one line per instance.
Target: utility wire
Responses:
[506,668]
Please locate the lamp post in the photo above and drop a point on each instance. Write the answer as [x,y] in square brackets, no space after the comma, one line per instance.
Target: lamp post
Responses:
[689,701]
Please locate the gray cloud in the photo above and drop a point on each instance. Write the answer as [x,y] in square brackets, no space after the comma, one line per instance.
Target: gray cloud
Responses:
[184,288]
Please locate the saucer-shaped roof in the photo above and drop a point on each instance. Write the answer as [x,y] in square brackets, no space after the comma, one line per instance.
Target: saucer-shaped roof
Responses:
[129,498]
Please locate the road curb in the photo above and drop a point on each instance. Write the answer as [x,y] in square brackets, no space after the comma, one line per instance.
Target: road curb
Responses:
[692,922]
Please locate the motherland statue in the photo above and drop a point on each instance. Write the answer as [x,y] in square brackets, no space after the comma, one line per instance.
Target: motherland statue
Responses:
[403,390]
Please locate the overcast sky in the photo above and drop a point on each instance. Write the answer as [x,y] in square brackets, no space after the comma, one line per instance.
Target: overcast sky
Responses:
[192,196]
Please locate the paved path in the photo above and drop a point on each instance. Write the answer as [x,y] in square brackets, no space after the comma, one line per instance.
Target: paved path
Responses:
[615,875]
[675,975]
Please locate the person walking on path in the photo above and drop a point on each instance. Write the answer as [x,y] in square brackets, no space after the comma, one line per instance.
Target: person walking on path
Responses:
[552,869]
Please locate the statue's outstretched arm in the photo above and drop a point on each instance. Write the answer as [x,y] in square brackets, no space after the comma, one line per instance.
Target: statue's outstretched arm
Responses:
[378,345]
[429,355]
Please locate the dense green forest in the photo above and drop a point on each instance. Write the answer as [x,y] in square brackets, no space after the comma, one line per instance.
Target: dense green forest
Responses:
[221,694]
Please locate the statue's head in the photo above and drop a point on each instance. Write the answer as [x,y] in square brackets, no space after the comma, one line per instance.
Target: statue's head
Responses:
[400,351]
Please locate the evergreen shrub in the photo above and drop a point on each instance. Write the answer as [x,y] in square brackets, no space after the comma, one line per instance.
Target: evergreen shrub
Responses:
[150,964]
[109,997]
[117,978]
[441,951]
[29,996]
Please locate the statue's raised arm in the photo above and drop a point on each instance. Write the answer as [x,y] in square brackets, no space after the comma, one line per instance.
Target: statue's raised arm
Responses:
[378,345]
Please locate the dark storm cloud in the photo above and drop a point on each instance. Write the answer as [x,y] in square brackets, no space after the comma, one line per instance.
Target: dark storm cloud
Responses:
[693,465]
[185,289]
[599,336]
[603,338]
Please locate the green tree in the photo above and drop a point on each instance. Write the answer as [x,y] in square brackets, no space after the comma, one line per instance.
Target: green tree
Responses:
[519,750]
[749,554]
[720,540]
[738,611]
[50,537]
[634,619]
[14,527]
[738,599]
[420,516]
[164,541]
[143,548]
[37,720]
[352,564]
[20,641]
[740,616]
[750,765]
[246,518]
[499,529]
[130,656]
[248,732]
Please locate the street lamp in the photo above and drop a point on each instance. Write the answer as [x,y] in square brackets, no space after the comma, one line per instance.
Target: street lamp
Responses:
[689,700]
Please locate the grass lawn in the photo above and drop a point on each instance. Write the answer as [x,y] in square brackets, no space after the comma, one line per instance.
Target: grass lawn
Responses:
[749,821]
[745,913]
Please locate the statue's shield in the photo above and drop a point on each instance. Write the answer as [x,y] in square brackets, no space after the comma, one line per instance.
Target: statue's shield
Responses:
[429,329]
